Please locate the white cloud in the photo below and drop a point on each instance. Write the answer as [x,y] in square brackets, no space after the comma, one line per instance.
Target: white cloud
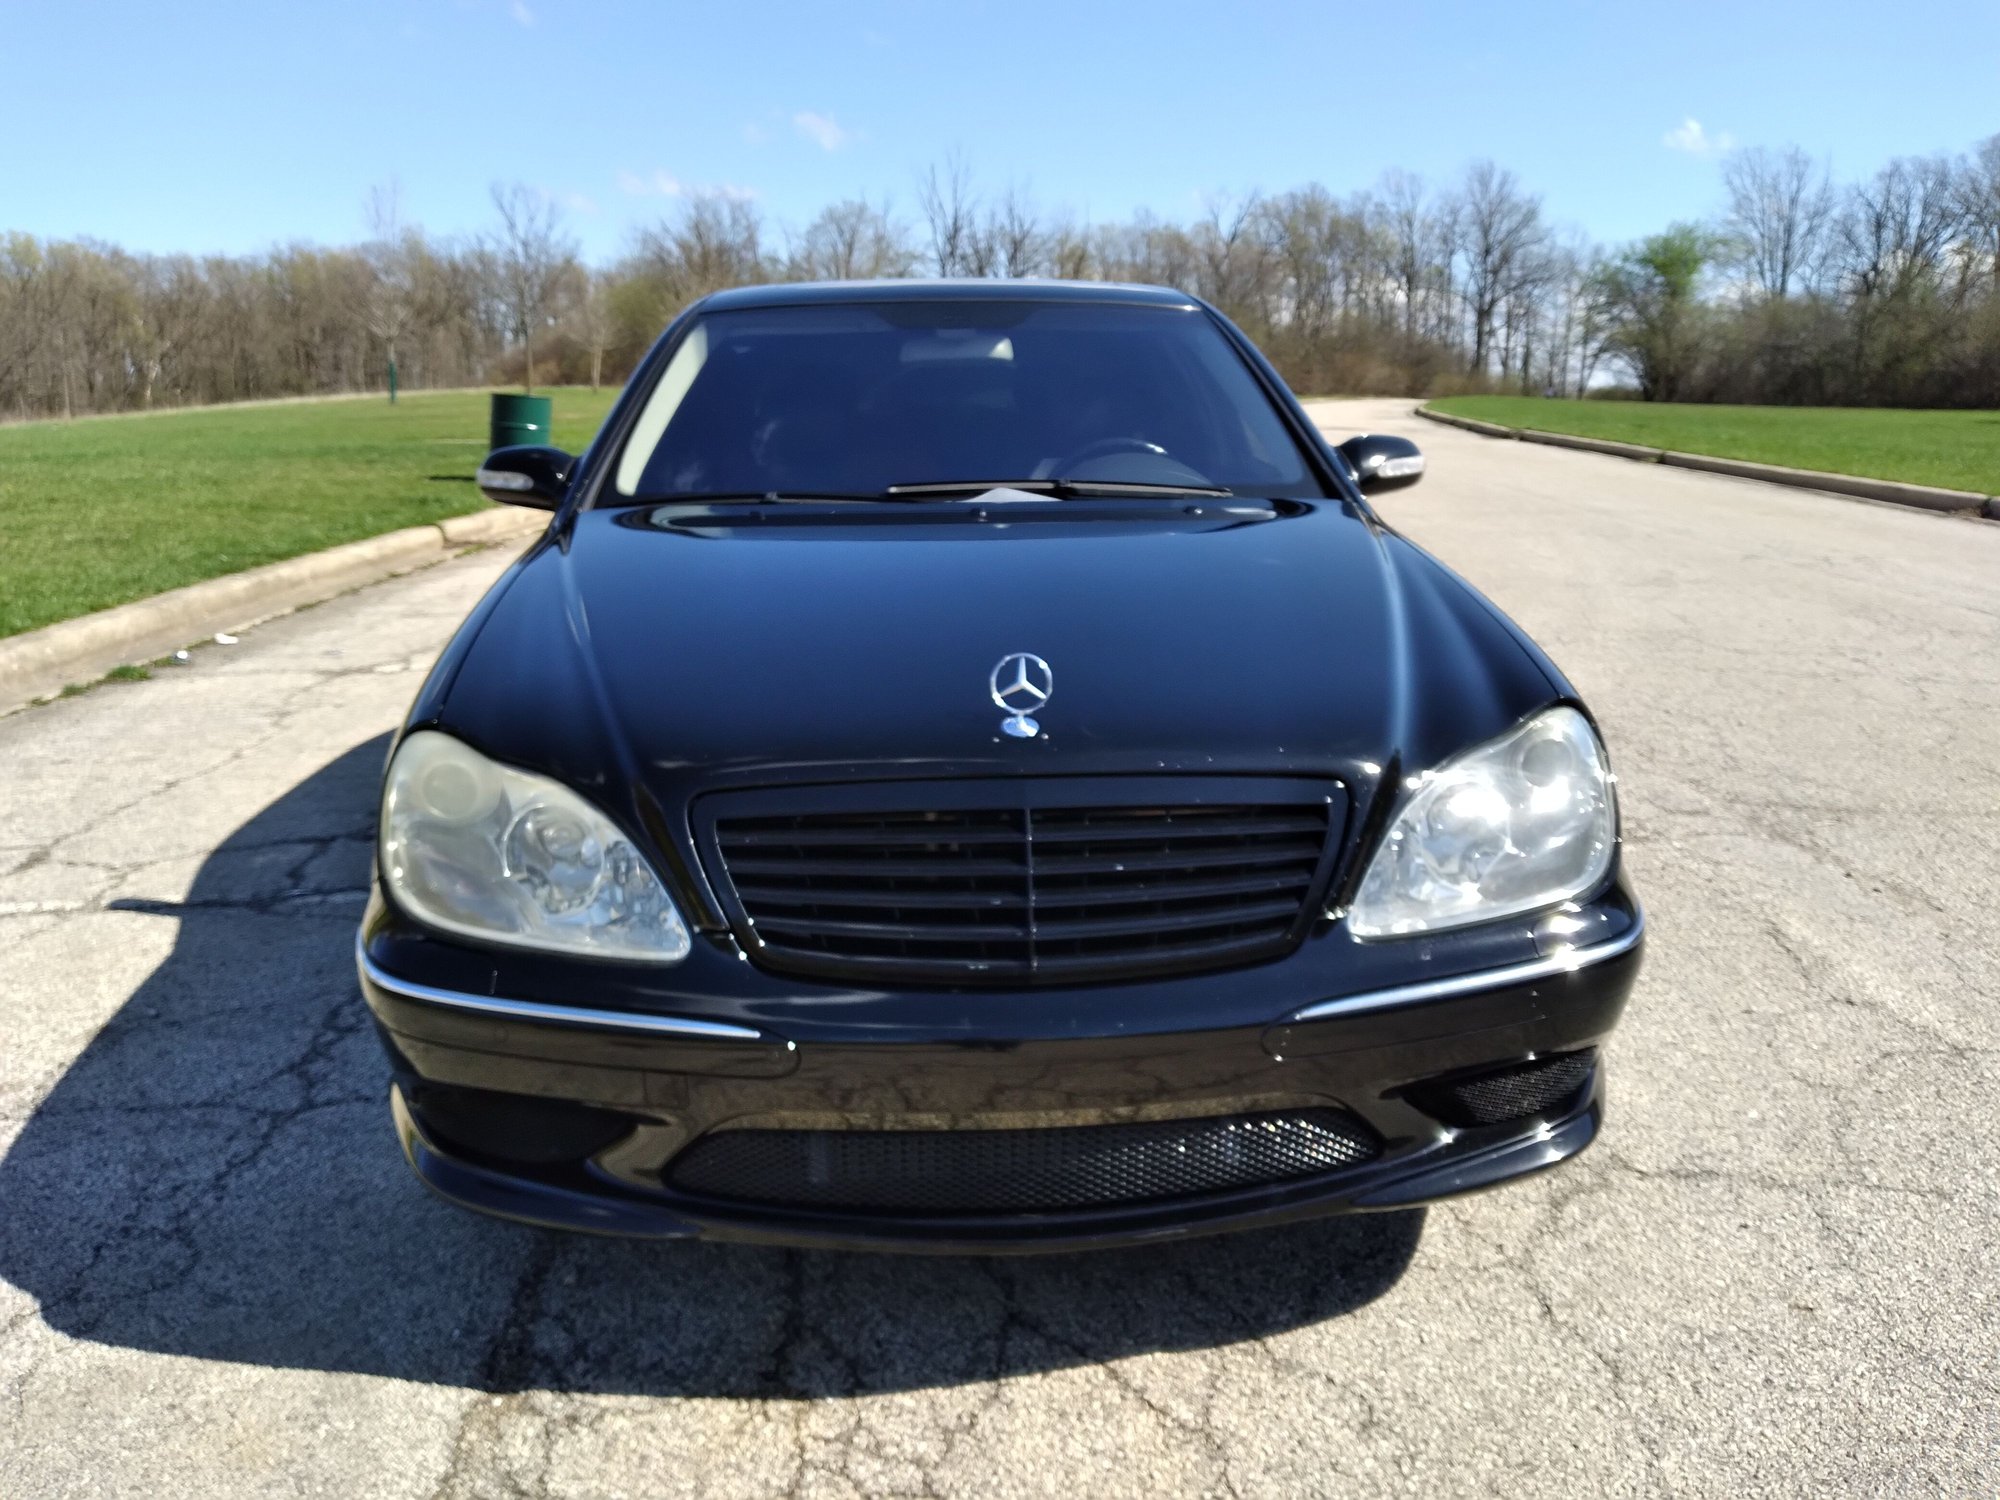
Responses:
[519,11]
[652,184]
[756,134]
[822,130]
[659,184]
[1690,136]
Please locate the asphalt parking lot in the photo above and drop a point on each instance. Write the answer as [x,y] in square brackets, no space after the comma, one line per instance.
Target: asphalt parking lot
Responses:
[1776,1274]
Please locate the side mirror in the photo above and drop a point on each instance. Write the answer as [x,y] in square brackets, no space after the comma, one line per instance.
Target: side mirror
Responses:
[534,477]
[1382,462]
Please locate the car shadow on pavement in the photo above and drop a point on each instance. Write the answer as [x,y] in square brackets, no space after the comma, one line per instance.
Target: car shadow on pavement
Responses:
[215,1176]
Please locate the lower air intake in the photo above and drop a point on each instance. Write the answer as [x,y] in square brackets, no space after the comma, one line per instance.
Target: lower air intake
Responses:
[1061,1169]
[1511,1093]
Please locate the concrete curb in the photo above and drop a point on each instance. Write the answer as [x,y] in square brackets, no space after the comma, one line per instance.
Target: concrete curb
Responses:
[1923,497]
[40,662]
[1889,491]
[502,523]
[1485,429]
[1591,445]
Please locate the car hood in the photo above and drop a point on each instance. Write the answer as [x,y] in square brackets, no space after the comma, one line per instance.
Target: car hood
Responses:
[682,649]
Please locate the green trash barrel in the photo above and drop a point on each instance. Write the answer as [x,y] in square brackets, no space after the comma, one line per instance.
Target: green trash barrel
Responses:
[519,421]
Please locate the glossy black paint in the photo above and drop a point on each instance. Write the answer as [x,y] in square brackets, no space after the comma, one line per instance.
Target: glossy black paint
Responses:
[1368,453]
[647,655]
[594,1207]
[529,475]
[917,1059]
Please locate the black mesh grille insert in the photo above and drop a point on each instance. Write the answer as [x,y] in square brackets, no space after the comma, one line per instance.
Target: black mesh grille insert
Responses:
[1026,894]
[1511,1093]
[930,1172]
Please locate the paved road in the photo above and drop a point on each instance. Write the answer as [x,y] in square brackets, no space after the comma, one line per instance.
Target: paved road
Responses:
[1776,1274]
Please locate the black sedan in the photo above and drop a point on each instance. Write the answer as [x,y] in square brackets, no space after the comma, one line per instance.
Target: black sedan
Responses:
[966,768]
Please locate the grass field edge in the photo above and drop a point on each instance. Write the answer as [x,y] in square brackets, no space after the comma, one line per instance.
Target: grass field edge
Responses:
[39,665]
[1847,486]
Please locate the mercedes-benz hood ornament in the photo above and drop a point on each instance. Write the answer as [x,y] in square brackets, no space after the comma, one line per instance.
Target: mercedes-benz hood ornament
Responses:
[1021,684]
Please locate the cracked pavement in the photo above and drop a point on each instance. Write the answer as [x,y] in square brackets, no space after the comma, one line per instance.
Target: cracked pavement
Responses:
[1774,1275]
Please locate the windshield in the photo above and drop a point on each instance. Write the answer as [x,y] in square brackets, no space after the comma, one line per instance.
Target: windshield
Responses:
[862,398]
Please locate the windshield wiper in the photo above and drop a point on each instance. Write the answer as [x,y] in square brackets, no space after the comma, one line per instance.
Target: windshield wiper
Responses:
[1060,488]
[748,497]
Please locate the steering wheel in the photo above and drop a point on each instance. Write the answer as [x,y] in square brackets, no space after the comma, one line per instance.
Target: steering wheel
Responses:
[1104,448]
[1152,465]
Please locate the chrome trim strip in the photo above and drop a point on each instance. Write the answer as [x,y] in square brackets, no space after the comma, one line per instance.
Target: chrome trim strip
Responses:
[502,479]
[560,1015]
[1484,979]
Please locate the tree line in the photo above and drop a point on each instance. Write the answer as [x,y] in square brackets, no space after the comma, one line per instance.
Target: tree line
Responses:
[1800,290]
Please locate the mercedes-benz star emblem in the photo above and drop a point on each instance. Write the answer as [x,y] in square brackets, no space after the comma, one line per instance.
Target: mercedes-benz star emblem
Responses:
[1021,684]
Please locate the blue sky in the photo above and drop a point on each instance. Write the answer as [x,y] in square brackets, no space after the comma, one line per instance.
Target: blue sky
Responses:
[233,126]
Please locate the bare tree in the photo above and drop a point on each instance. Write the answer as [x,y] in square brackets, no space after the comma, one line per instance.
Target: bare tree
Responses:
[1301,234]
[1594,330]
[1015,232]
[63,277]
[1898,227]
[172,298]
[1899,235]
[1407,232]
[1502,228]
[715,241]
[392,253]
[1979,206]
[590,316]
[1228,252]
[532,256]
[88,327]
[105,310]
[850,241]
[1780,205]
[22,328]
[1891,297]
[950,215]
[1068,251]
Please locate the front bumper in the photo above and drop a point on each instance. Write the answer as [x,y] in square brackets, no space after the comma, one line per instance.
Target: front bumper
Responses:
[642,1084]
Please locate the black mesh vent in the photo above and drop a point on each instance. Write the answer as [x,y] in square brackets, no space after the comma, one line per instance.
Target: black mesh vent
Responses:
[1508,1093]
[931,1172]
[1026,894]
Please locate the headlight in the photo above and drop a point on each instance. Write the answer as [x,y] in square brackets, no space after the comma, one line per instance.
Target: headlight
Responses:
[481,849]
[1525,821]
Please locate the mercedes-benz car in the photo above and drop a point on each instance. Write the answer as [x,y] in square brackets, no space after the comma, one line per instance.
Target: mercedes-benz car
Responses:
[966,768]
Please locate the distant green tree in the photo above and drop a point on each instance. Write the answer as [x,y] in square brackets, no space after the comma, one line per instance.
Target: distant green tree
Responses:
[1648,296]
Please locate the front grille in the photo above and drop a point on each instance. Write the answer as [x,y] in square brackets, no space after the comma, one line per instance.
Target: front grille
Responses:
[1048,890]
[1064,1168]
[1510,1093]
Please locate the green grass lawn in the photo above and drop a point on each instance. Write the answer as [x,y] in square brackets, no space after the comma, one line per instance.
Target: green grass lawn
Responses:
[1955,450]
[101,511]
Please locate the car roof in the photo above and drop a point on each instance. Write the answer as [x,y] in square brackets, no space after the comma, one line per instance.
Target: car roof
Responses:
[955,289]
